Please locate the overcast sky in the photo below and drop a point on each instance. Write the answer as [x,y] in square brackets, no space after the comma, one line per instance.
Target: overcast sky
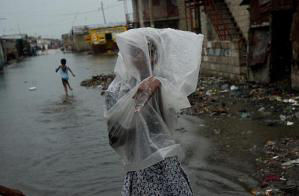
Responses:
[51,18]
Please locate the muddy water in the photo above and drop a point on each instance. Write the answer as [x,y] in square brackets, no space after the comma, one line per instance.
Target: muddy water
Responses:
[53,145]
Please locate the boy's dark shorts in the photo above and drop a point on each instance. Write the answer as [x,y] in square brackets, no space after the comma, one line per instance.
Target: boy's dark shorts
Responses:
[64,81]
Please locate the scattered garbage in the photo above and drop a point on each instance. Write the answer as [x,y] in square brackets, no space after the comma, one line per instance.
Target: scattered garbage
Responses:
[282,117]
[267,102]
[292,162]
[261,109]
[100,86]
[276,168]
[245,115]
[33,88]
[217,131]
[234,88]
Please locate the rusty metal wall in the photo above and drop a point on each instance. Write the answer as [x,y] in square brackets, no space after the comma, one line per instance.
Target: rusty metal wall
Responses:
[279,5]
[295,47]
[259,46]
[260,12]
[295,35]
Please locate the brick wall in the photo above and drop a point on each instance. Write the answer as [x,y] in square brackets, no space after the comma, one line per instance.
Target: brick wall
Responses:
[241,15]
[222,58]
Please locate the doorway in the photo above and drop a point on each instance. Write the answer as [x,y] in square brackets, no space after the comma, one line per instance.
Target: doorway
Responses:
[281,50]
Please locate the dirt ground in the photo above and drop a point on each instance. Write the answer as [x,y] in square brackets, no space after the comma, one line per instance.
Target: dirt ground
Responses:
[251,123]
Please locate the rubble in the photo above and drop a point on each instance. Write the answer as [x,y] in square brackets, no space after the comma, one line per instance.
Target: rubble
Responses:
[100,81]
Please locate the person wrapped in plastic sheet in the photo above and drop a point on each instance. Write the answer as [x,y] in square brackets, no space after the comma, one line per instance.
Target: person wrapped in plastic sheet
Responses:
[155,71]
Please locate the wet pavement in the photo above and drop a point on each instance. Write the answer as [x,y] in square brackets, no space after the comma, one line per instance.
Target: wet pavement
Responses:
[53,145]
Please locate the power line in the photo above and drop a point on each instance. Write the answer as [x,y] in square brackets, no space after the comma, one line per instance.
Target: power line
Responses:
[79,13]
[72,13]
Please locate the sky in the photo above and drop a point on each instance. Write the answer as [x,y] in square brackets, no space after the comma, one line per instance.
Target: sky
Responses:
[52,18]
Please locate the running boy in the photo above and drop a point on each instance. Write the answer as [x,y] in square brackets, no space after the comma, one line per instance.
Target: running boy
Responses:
[64,75]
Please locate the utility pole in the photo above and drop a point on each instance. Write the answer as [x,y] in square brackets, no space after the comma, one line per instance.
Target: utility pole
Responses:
[102,8]
[150,5]
[126,10]
[140,12]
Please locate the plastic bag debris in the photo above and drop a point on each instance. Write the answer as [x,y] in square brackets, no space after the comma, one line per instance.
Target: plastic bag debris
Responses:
[234,88]
[33,88]
[292,162]
[282,117]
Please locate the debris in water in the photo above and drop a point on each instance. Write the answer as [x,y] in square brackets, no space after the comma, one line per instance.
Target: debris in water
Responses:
[33,88]
[289,123]
[100,81]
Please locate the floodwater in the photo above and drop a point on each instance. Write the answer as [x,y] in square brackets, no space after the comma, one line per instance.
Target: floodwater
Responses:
[53,145]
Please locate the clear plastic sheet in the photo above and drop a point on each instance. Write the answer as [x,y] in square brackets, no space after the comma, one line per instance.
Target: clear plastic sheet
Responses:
[140,125]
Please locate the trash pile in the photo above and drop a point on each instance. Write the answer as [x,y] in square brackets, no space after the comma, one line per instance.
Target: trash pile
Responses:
[100,81]
[278,168]
[273,103]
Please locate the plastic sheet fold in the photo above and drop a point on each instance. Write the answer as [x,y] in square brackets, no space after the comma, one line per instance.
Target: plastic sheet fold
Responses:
[143,137]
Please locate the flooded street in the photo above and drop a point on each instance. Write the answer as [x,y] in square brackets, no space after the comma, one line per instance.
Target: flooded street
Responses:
[53,145]
[239,136]
[50,145]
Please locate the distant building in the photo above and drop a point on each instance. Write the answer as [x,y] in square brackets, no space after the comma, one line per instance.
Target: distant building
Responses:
[159,14]
[248,39]
[78,36]
[102,39]
[2,56]
[67,42]
[14,46]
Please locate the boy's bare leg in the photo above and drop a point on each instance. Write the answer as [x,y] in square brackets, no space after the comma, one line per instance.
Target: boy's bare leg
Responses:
[69,85]
[65,88]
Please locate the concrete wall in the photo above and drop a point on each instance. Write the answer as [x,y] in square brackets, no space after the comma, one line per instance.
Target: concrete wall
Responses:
[241,15]
[222,58]
[182,16]
[10,48]
[157,16]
